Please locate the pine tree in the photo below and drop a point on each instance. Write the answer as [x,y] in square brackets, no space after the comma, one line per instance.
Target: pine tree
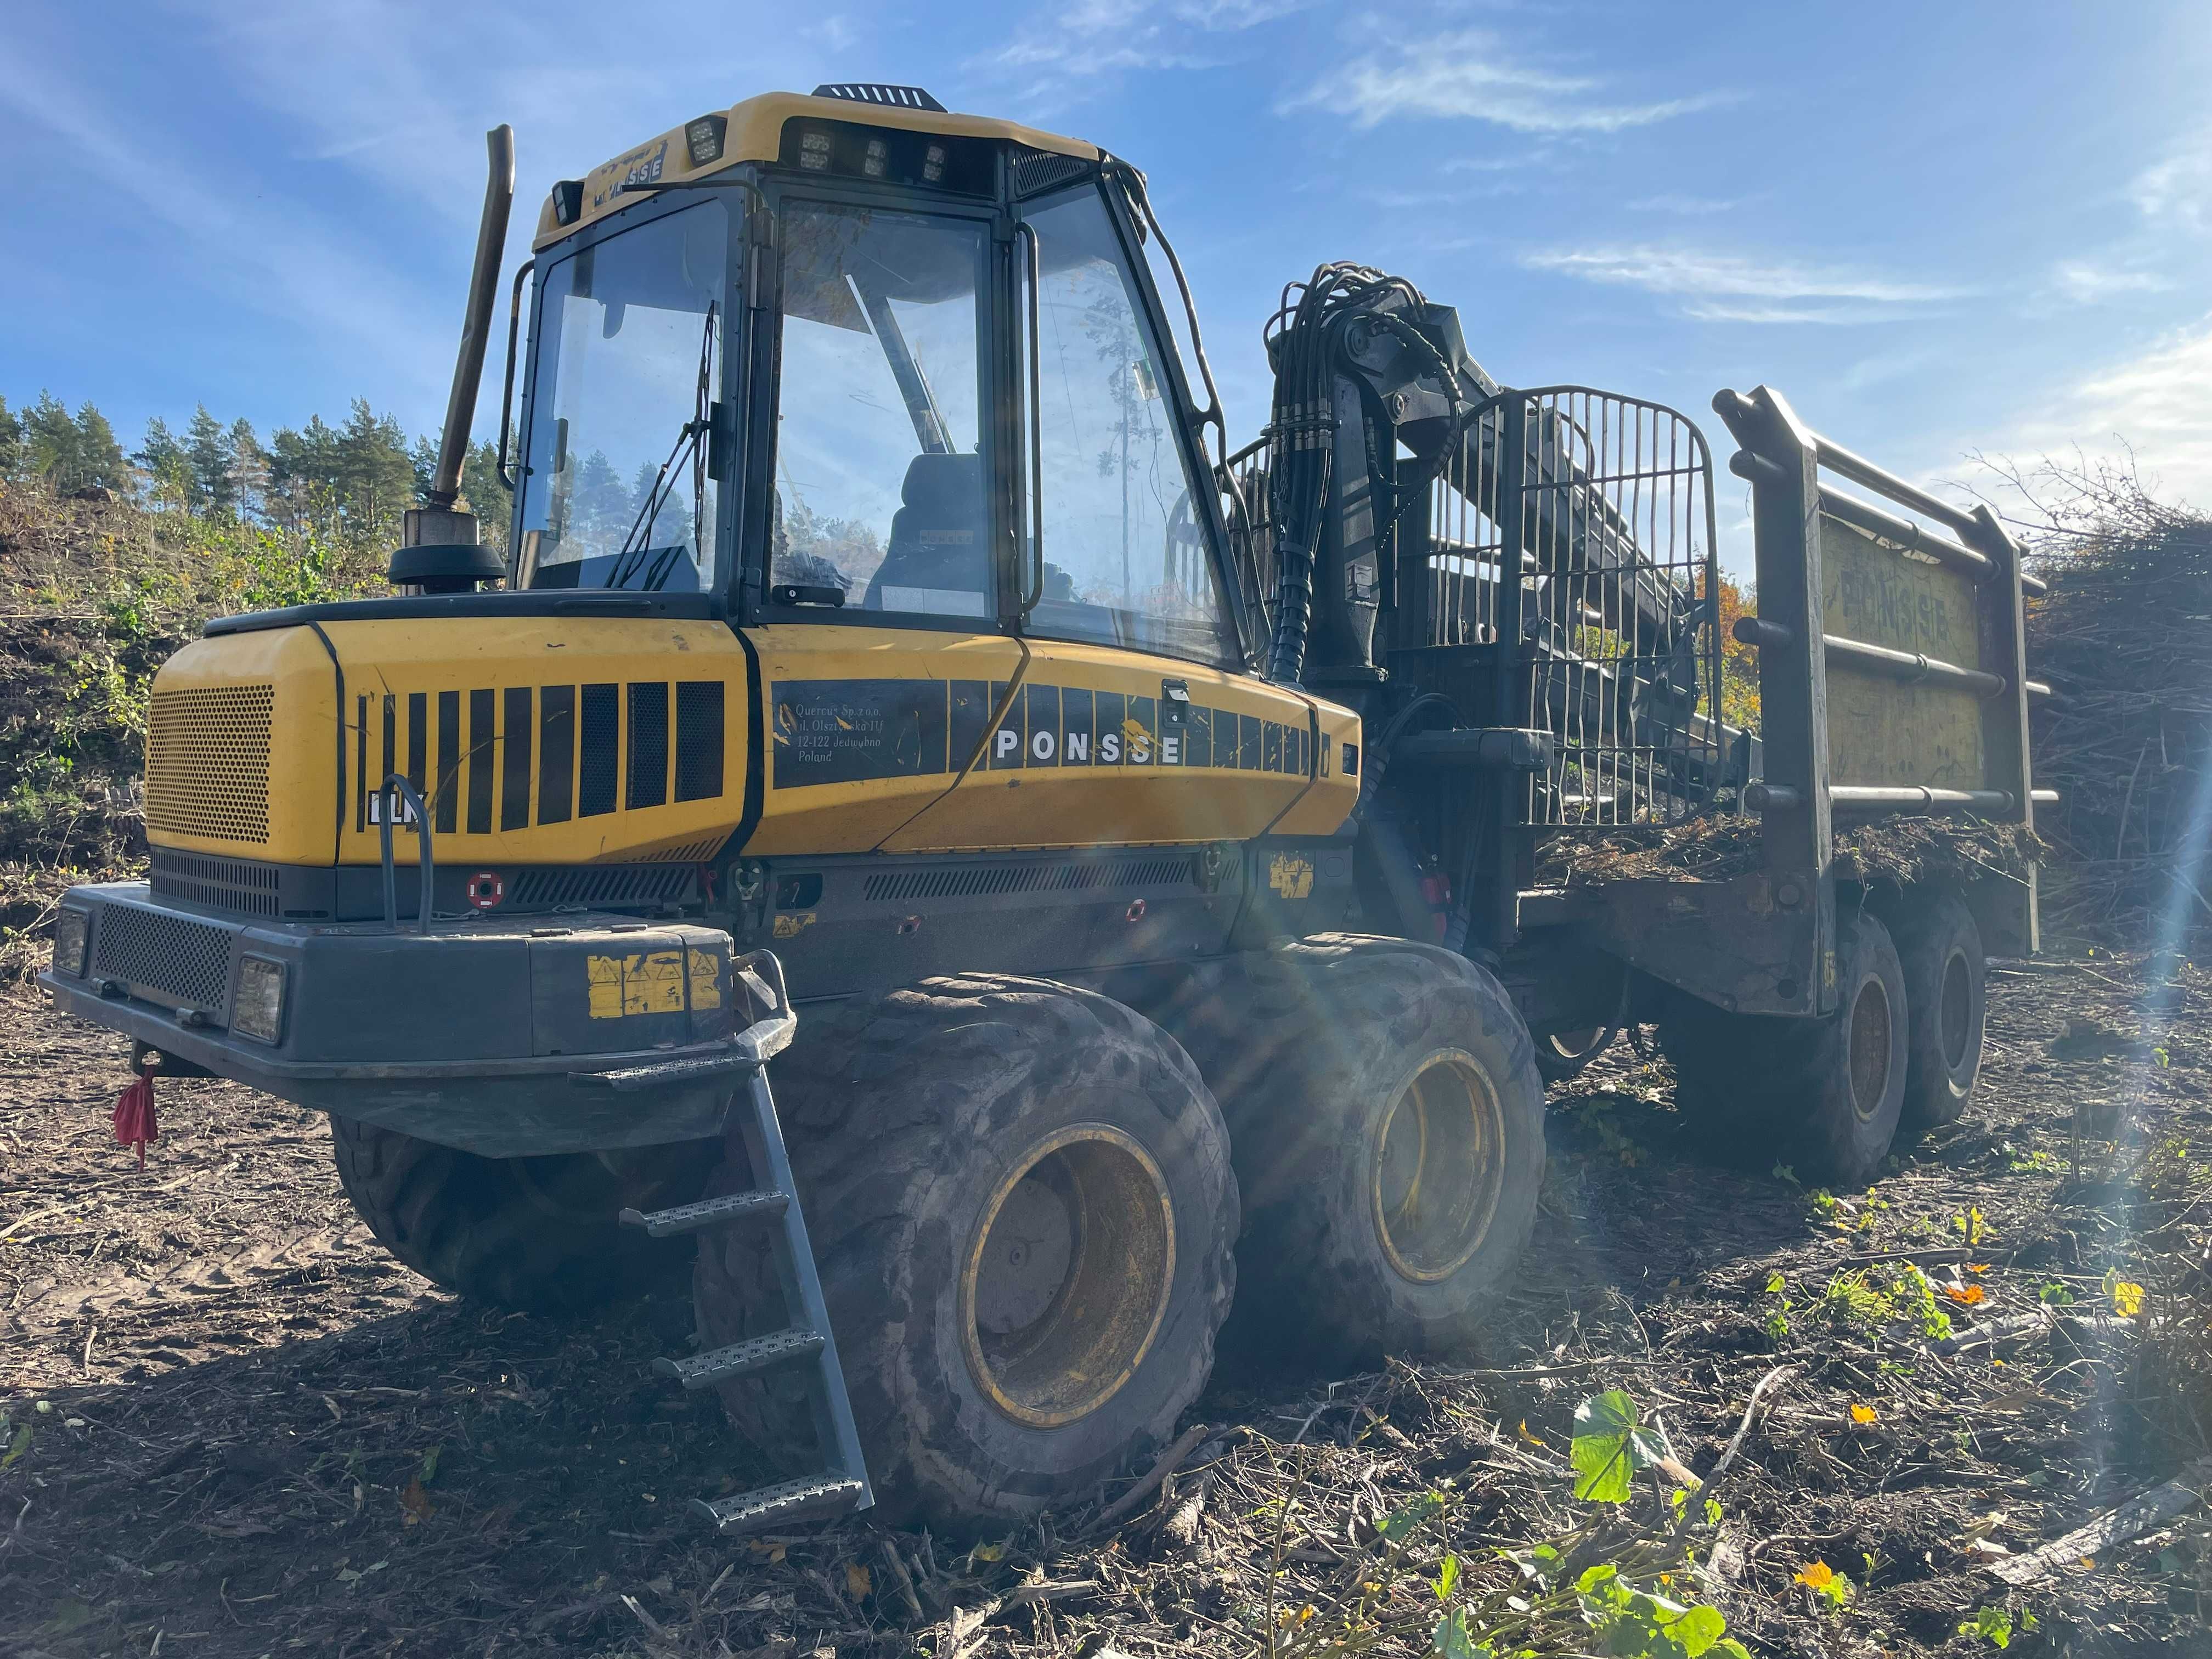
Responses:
[304,486]
[375,478]
[249,469]
[11,443]
[207,449]
[100,457]
[167,467]
[486,496]
[423,457]
[51,443]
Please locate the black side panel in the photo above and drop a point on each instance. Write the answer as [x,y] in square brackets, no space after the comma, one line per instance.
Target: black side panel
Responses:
[483,745]
[418,739]
[514,768]
[361,765]
[449,762]
[699,740]
[869,922]
[971,713]
[601,751]
[556,752]
[648,744]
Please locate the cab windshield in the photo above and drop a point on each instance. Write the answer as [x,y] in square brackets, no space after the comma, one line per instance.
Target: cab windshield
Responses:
[618,493]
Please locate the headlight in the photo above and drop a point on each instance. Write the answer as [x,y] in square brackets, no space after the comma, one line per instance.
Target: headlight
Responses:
[259,1010]
[71,930]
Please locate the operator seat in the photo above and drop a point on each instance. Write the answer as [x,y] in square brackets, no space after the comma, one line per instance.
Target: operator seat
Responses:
[939,539]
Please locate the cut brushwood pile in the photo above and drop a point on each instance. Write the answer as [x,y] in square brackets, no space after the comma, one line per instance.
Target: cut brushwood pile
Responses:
[2125,639]
[1897,851]
[1714,1405]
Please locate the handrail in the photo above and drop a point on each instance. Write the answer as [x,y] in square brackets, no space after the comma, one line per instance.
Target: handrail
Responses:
[506,383]
[1733,406]
[413,797]
[1910,665]
[1033,579]
[1865,515]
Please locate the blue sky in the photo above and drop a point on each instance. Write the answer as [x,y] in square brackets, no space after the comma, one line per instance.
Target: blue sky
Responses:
[1938,230]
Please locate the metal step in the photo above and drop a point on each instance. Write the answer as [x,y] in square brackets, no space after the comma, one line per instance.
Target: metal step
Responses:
[794,1500]
[701,1370]
[842,1487]
[725,1211]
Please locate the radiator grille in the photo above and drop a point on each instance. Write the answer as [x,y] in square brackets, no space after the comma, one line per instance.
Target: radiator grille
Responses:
[206,762]
[187,961]
[992,880]
[239,885]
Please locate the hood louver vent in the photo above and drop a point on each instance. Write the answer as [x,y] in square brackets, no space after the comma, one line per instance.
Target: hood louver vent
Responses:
[877,92]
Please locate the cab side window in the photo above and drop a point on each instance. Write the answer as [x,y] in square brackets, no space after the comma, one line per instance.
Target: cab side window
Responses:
[881,496]
[1126,558]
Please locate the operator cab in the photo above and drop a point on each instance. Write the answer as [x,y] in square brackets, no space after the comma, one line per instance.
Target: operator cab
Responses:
[850,357]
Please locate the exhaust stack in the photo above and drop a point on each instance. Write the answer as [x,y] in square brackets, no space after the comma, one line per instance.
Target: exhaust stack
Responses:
[439,552]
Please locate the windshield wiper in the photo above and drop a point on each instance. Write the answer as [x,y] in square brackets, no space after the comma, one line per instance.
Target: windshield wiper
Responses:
[629,558]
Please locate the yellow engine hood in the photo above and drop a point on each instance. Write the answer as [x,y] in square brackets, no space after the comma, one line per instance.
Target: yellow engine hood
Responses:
[539,740]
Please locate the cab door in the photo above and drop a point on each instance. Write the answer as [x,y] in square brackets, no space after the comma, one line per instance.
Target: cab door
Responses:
[1133,720]
[882,644]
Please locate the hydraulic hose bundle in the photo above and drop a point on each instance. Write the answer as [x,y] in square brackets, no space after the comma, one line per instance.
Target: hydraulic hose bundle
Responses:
[1306,341]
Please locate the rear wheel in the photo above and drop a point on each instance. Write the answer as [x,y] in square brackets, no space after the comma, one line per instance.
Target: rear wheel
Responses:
[535,1233]
[1822,1096]
[1386,1122]
[1022,1210]
[1563,1055]
[1940,950]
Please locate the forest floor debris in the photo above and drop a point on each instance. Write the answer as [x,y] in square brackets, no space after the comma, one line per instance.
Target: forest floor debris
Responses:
[235,1427]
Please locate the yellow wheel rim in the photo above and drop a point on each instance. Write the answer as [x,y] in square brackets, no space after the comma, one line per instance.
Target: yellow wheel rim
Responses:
[1439,1167]
[1067,1277]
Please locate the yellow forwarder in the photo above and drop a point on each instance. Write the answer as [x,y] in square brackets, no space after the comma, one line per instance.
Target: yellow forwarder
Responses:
[878,614]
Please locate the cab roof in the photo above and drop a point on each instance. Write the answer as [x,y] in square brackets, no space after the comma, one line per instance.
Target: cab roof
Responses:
[754,133]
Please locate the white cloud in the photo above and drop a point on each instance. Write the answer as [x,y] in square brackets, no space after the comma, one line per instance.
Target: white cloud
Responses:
[1699,205]
[1471,76]
[273,258]
[2178,191]
[402,95]
[2085,282]
[1236,14]
[1091,36]
[1723,288]
[2151,406]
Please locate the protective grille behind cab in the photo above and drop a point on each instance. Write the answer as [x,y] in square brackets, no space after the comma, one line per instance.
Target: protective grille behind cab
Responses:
[206,762]
[187,961]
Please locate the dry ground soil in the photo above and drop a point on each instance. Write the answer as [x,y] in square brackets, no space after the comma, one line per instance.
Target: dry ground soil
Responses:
[233,1427]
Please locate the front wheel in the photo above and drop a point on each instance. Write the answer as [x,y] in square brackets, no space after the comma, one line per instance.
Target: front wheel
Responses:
[1022,1210]
[1387,1121]
[532,1233]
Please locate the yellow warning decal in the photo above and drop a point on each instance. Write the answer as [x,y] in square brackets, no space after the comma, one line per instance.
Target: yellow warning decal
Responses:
[793,923]
[706,980]
[647,984]
[1291,877]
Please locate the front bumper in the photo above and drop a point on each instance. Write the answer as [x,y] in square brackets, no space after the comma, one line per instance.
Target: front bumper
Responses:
[500,1038]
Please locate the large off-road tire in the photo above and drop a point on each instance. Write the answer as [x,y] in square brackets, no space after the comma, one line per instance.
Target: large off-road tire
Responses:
[1021,1207]
[1821,1097]
[535,1233]
[1386,1122]
[1562,1056]
[1940,950]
